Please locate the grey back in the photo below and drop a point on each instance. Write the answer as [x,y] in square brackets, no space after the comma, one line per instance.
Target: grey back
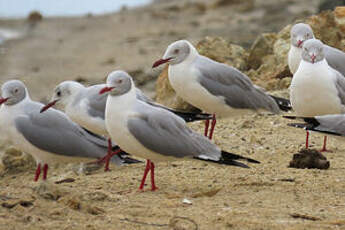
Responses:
[237,89]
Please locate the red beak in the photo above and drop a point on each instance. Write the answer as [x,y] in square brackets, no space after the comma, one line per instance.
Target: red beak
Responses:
[47,106]
[106,89]
[3,100]
[299,43]
[313,58]
[160,62]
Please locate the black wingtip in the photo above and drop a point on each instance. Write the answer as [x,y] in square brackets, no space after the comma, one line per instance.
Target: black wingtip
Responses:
[128,160]
[223,161]
[232,156]
[190,116]
[283,103]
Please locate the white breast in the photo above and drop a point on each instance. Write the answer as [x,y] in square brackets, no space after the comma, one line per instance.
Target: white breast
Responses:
[313,92]
[294,58]
[79,114]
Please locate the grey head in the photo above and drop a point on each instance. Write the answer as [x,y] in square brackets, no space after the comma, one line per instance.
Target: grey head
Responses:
[313,51]
[64,91]
[300,33]
[178,51]
[13,92]
[118,83]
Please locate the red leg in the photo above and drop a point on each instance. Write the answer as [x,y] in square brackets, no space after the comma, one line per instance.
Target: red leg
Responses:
[107,157]
[324,149]
[207,123]
[38,172]
[153,185]
[45,171]
[307,140]
[147,169]
[214,121]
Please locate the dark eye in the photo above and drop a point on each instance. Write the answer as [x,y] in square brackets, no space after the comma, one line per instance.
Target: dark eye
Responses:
[16,91]
[119,81]
[58,93]
[176,51]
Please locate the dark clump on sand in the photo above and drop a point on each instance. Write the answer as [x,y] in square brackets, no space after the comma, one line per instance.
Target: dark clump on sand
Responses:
[309,158]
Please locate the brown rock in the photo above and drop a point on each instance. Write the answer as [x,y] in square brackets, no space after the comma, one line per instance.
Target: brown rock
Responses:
[260,48]
[220,50]
[15,161]
[309,158]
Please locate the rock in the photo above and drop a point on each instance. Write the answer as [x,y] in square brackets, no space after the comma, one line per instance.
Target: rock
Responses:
[49,191]
[34,17]
[260,48]
[309,158]
[330,4]
[220,50]
[15,161]
[326,29]
[339,15]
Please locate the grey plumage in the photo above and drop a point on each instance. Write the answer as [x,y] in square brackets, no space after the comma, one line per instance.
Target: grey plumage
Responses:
[169,134]
[335,58]
[54,132]
[236,88]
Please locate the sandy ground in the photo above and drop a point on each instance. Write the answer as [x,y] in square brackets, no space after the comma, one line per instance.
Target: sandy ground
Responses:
[267,196]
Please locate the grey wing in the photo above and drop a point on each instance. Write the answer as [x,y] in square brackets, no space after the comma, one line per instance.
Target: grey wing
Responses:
[334,123]
[53,132]
[340,85]
[165,133]
[236,88]
[335,58]
[96,101]
[141,96]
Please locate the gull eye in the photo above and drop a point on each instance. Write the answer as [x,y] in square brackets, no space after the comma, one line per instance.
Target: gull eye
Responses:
[176,51]
[58,93]
[119,81]
[16,90]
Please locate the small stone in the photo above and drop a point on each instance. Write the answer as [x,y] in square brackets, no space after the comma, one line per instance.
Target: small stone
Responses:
[309,158]
[186,201]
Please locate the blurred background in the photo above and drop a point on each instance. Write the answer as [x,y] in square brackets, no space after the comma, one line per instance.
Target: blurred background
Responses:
[44,42]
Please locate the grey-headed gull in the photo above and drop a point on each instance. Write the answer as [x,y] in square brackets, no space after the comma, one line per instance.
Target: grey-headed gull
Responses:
[211,86]
[302,32]
[154,133]
[49,137]
[85,106]
[316,88]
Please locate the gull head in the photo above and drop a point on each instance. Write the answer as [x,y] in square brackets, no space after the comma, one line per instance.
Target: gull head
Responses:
[176,53]
[313,51]
[63,94]
[12,92]
[118,83]
[300,33]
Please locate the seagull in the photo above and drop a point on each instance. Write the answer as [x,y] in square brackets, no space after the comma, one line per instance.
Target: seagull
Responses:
[154,133]
[316,88]
[333,124]
[49,137]
[211,86]
[302,32]
[85,106]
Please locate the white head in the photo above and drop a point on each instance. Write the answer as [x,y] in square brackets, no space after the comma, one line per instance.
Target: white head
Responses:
[13,92]
[176,53]
[313,51]
[63,94]
[300,33]
[118,83]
